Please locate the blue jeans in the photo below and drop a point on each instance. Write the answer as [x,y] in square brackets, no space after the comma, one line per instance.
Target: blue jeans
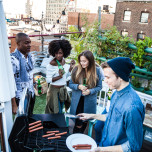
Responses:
[98,129]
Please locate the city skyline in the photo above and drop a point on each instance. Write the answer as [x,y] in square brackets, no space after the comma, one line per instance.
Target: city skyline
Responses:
[16,7]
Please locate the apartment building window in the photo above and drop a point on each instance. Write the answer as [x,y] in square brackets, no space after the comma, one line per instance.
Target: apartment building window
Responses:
[144,17]
[140,36]
[106,7]
[124,33]
[127,15]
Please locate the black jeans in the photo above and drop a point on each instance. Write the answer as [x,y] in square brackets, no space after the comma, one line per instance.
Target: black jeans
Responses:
[80,125]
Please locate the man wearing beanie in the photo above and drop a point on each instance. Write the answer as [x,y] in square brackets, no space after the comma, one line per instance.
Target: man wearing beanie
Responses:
[123,129]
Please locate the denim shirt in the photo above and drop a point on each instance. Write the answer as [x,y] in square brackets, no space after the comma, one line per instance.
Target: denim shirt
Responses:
[124,123]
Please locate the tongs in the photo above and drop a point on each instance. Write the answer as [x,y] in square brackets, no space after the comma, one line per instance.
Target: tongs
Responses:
[71,116]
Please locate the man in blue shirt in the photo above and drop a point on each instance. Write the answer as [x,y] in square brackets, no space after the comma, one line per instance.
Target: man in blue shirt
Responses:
[123,129]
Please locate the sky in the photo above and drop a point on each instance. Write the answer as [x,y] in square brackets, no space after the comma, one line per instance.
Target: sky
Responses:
[14,6]
[18,6]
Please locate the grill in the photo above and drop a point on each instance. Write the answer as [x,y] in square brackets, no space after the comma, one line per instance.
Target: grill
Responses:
[21,140]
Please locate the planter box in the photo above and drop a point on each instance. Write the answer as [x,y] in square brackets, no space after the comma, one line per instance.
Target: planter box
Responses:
[141,89]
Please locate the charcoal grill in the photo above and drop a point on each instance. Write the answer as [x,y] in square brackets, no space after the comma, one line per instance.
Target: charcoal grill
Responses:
[21,140]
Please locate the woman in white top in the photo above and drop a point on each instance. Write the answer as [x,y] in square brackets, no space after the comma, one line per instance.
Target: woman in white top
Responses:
[57,73]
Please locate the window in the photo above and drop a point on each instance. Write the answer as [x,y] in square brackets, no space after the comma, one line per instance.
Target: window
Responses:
[106,7]
[127,15]
[124,33]
[140,36]
[144,17]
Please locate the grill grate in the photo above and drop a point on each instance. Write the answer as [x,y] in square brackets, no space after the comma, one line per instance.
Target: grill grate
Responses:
[21,140]
[35,141]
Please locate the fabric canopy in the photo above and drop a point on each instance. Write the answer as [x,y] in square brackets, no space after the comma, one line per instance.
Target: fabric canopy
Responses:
[7,82]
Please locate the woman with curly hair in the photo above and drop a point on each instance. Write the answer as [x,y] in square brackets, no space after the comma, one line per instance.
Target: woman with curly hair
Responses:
[85,83]
[56,75]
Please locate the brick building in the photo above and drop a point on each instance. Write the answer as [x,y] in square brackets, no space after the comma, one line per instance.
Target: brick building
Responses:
[75,18]
[134,17]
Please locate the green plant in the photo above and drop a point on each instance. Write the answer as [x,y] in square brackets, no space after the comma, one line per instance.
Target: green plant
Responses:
[135,82]
[92,41]
[77,48]
[113,44]
[148,66]
[138,55]
[148,41]
[73,36]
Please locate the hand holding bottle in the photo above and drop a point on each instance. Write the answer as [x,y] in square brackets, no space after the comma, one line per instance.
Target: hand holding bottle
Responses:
[61,72]
[86,92]
[82,87]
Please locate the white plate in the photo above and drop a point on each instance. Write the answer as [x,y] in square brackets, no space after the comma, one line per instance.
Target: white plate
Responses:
[75,139]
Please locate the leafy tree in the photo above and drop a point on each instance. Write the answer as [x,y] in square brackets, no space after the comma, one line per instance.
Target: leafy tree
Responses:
[73,36]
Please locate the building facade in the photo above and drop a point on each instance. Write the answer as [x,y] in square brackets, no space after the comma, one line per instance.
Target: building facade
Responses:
[54,10]
[134,18]
[54,17]
[28,7]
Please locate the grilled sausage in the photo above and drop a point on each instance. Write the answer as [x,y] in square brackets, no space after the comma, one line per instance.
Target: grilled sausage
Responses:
[34,123]
[36,129]
[54,137]
[55,131]
[35,126]
[63,133]
[82,145]
[48,135]
[76,148]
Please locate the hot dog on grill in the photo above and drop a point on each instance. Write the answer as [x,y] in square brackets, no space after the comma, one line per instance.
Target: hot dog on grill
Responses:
[35,126]
[63,133]
[48,135]
[34,123]
[36,129]
[55,131]
[54,137]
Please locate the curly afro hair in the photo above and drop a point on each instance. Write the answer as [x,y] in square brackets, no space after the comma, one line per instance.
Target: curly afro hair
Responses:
[64,45]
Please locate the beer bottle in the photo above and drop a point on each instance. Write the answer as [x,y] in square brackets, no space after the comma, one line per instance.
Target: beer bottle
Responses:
[60,66]
[84,81]
[39,87]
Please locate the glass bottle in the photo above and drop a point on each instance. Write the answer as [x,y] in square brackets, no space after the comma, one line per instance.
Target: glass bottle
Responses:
[39,87]
[60,66]
[84,81]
